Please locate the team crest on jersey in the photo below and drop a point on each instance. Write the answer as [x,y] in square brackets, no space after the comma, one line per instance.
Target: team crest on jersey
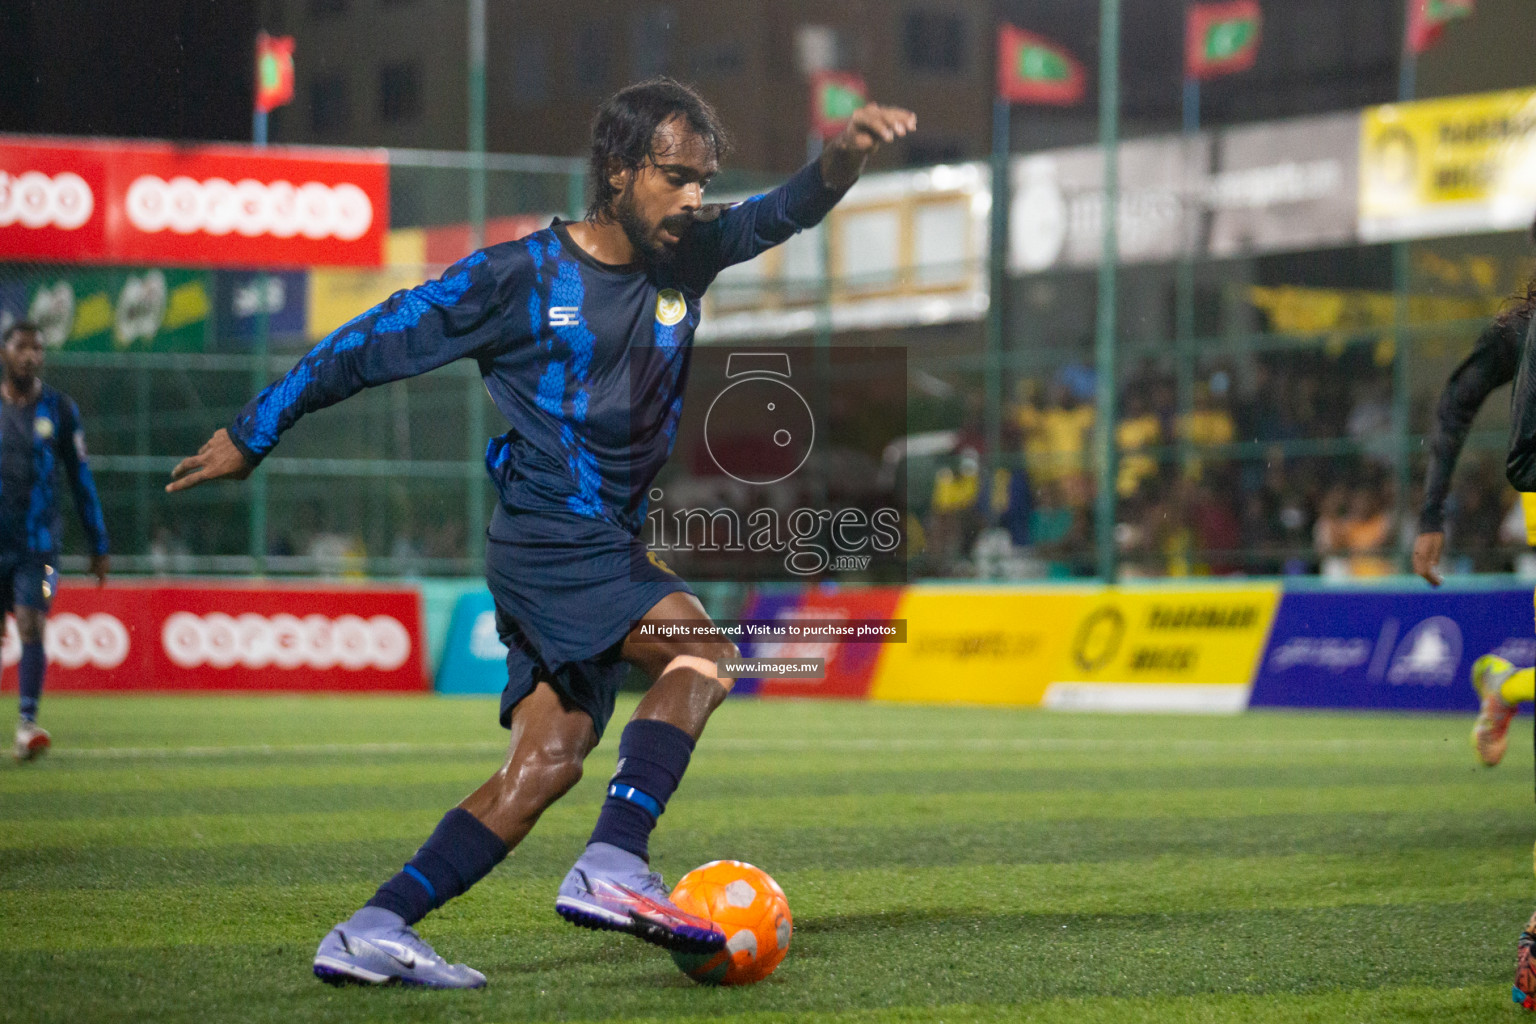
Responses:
[43,428]
[671,307]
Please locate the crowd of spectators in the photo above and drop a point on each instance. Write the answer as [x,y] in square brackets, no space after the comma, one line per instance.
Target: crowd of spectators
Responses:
[1281,464]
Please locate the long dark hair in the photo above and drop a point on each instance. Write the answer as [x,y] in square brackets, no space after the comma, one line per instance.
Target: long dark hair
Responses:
[625,129]
[1520,306]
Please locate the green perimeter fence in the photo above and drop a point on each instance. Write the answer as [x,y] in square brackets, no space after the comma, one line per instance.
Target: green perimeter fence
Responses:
[1258,398]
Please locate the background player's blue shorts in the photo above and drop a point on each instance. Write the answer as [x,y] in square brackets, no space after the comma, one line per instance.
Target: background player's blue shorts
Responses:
[568,590]
[28,580]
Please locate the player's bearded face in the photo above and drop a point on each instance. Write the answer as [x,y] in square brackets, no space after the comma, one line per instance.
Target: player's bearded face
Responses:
[22,356]
[658,202]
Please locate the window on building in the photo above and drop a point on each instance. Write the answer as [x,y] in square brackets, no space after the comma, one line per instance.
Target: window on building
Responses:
[933,41]
[399,92]
[593,56]
[530,69]
[330,105]
[650,40]
[717,60]
[327,8]
[921,152]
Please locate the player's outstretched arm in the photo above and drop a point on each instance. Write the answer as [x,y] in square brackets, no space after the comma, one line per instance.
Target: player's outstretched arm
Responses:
[1491,365]
[872,126]
[218,459]
[87,501]
[725,235]
[1520,466]
[410,333]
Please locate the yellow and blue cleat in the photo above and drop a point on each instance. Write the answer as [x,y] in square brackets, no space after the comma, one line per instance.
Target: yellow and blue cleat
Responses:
[1490,733]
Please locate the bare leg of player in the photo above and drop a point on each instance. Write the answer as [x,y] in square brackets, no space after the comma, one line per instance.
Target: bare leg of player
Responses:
[612,886]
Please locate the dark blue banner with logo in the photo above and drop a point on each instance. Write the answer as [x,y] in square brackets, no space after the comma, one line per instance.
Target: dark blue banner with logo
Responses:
[1390,650]
[243,297]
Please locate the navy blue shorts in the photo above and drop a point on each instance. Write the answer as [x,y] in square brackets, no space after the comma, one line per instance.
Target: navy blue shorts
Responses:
[28,580]
[568,590]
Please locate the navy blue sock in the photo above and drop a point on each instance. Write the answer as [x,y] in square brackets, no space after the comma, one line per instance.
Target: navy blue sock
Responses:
[652,759]
[31,683]
[460,852]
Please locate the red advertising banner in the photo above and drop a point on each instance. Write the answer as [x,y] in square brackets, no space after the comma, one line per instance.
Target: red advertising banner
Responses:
[205,206]
[850,667]
[268,637]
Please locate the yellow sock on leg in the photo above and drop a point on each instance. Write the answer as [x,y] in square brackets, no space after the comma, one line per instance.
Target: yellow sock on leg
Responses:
[1519,687]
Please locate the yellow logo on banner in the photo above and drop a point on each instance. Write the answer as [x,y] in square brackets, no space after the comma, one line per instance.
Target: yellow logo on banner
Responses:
[1448,166]
[671,307]
[1172,636]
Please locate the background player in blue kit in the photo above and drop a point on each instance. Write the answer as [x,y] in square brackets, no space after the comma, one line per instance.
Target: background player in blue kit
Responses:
[583,333]
[39,433]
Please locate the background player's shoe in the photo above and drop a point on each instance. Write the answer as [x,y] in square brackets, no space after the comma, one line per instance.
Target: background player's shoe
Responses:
[1525,967]
[376,947]
[1490,733]
[613,890]
[30,740]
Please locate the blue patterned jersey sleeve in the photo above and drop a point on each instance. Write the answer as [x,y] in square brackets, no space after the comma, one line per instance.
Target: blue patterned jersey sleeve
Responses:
[77,469]
[743,231]
[407,334]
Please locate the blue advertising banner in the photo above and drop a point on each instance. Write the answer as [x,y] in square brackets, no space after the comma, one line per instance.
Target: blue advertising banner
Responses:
[242,297]
[1389,650]
[474,658]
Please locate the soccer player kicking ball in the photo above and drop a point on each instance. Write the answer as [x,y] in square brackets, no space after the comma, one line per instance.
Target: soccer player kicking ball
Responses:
[1500,686]
[39,432]
[583,333]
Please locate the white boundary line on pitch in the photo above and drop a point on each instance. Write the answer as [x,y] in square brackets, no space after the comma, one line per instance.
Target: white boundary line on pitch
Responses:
[743,744]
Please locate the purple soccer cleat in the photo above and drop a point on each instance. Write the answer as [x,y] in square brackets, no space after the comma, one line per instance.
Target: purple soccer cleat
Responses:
[611,889]
[375,947]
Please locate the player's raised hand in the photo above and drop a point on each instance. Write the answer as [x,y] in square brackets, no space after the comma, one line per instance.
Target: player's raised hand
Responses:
[218,459]
[870,127]
[1426,556]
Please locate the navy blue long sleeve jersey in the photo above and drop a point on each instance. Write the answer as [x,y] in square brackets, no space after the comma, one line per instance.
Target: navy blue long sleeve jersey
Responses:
[587,361]
[37,439]
[1491,364]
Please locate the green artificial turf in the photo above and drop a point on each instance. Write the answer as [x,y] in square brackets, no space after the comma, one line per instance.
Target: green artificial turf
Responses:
[177,860]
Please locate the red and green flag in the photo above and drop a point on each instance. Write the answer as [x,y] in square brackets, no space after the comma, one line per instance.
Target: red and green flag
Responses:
[835,95]
[1222,38]
[1032,69]
[1427,20]
[274,71]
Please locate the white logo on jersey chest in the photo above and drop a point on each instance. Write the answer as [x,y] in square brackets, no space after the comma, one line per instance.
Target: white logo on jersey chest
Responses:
[564,316]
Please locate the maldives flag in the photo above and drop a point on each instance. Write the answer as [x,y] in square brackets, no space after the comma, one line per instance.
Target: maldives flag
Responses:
[1221,38]
[274,71]
[1032,69]
[1427,20]
[835,95]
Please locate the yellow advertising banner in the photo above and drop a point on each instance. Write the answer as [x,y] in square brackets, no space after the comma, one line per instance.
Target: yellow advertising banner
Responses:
[1091,648]
[336,296]
[979,646]
[1450,166]
[1166,649]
